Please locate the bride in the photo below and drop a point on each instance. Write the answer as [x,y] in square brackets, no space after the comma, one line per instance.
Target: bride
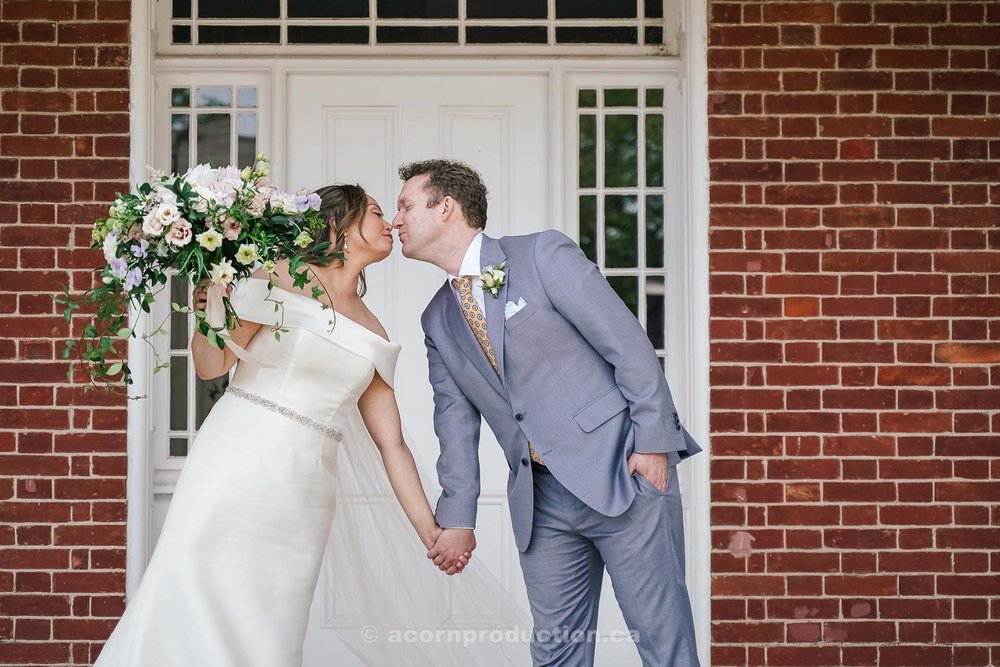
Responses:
[302,465]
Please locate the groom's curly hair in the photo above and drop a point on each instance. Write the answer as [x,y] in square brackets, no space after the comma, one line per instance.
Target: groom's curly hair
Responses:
[451,178]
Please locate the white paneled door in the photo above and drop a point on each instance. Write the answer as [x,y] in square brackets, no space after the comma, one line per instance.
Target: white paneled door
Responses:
[359,127]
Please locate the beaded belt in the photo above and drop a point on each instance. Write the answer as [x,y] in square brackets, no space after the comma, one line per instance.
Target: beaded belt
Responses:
[309,422]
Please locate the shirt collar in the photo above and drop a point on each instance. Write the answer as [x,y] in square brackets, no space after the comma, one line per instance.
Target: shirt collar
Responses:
[470,265]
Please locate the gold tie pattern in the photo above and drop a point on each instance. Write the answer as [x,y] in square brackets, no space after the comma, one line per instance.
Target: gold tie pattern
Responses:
[477,322]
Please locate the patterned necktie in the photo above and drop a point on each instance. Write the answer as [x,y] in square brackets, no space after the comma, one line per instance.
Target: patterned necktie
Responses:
[477,322]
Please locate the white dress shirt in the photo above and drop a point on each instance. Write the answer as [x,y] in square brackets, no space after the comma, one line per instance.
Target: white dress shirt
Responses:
[471,267]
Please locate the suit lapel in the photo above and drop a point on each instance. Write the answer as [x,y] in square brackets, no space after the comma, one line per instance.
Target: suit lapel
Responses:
[466,340]
[492,254]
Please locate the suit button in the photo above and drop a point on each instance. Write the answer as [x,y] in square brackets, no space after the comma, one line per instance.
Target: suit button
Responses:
[524,462]
[519,417]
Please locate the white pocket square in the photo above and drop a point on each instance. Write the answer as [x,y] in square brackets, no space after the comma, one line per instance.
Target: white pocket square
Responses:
[512,308]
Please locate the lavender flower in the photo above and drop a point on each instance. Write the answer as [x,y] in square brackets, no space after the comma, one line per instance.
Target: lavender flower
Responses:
[141,249]
[118,267]
[132,278]
[305,202]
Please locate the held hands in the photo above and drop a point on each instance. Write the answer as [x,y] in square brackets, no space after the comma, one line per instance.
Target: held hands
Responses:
[453,549]
[651,466]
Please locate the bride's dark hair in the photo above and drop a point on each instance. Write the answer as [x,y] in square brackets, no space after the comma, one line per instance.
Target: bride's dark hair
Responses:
[342,205]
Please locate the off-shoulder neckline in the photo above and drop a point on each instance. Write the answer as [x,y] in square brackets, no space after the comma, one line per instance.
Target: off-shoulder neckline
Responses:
[319,304]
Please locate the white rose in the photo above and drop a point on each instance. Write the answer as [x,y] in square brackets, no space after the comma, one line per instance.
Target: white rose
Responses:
[152,224]
[165,195]
[284,202]
[168,213]
[200,175]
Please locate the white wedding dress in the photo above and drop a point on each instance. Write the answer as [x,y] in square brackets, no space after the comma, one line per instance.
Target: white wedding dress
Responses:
[282,473]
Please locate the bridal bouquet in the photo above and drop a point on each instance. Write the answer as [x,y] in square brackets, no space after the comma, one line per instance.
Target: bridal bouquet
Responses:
[209,224]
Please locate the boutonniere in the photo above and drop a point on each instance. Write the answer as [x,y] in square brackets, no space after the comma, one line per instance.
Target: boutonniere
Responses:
[493,277]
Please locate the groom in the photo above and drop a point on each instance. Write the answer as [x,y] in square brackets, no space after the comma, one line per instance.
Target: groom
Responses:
[568,381]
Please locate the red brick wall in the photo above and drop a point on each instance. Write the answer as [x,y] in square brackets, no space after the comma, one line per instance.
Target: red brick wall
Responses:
[855,160]
[64,150]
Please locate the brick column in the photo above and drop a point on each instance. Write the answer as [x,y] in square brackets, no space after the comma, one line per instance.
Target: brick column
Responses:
[855,162]
[64,149]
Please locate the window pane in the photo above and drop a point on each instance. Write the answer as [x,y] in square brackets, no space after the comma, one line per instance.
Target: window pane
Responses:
[654,311]
[588,151]
[587,99]
[417,9]
[247,98]
[507,9]
[178,446]
[654,150]
[328,9]
[621,243]
[588,226]
[180,97]
[598,35]
[327,34]
[587,9]
[653,35]
[239,34]
[417,34]
[246,128]
[207,392]
[627,288]
[621,97]
[621,159]
[180,133]
[654,9]
[215,96]
[180,34]
[654,231]
[225,9]
[654,97]
[181,9]
[507,34]
[179,294]
[178,393]
[213,138]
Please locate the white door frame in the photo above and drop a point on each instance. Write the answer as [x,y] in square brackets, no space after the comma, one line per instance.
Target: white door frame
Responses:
[693,274]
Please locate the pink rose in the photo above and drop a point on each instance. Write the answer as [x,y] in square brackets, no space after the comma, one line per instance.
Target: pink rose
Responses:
[180,232]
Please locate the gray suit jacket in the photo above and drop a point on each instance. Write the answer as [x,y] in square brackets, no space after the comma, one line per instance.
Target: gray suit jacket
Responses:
[578,379]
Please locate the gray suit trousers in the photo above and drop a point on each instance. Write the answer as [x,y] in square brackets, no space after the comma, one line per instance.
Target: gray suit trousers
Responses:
[643,550]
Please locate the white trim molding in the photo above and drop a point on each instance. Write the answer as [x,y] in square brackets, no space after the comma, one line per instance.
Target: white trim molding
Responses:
[138,492]
[694,59]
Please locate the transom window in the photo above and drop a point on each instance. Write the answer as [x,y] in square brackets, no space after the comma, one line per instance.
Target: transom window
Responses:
[549,26]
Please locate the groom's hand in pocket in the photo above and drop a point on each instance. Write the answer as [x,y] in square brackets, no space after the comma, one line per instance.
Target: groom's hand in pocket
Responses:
[651,466]
[453,549]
